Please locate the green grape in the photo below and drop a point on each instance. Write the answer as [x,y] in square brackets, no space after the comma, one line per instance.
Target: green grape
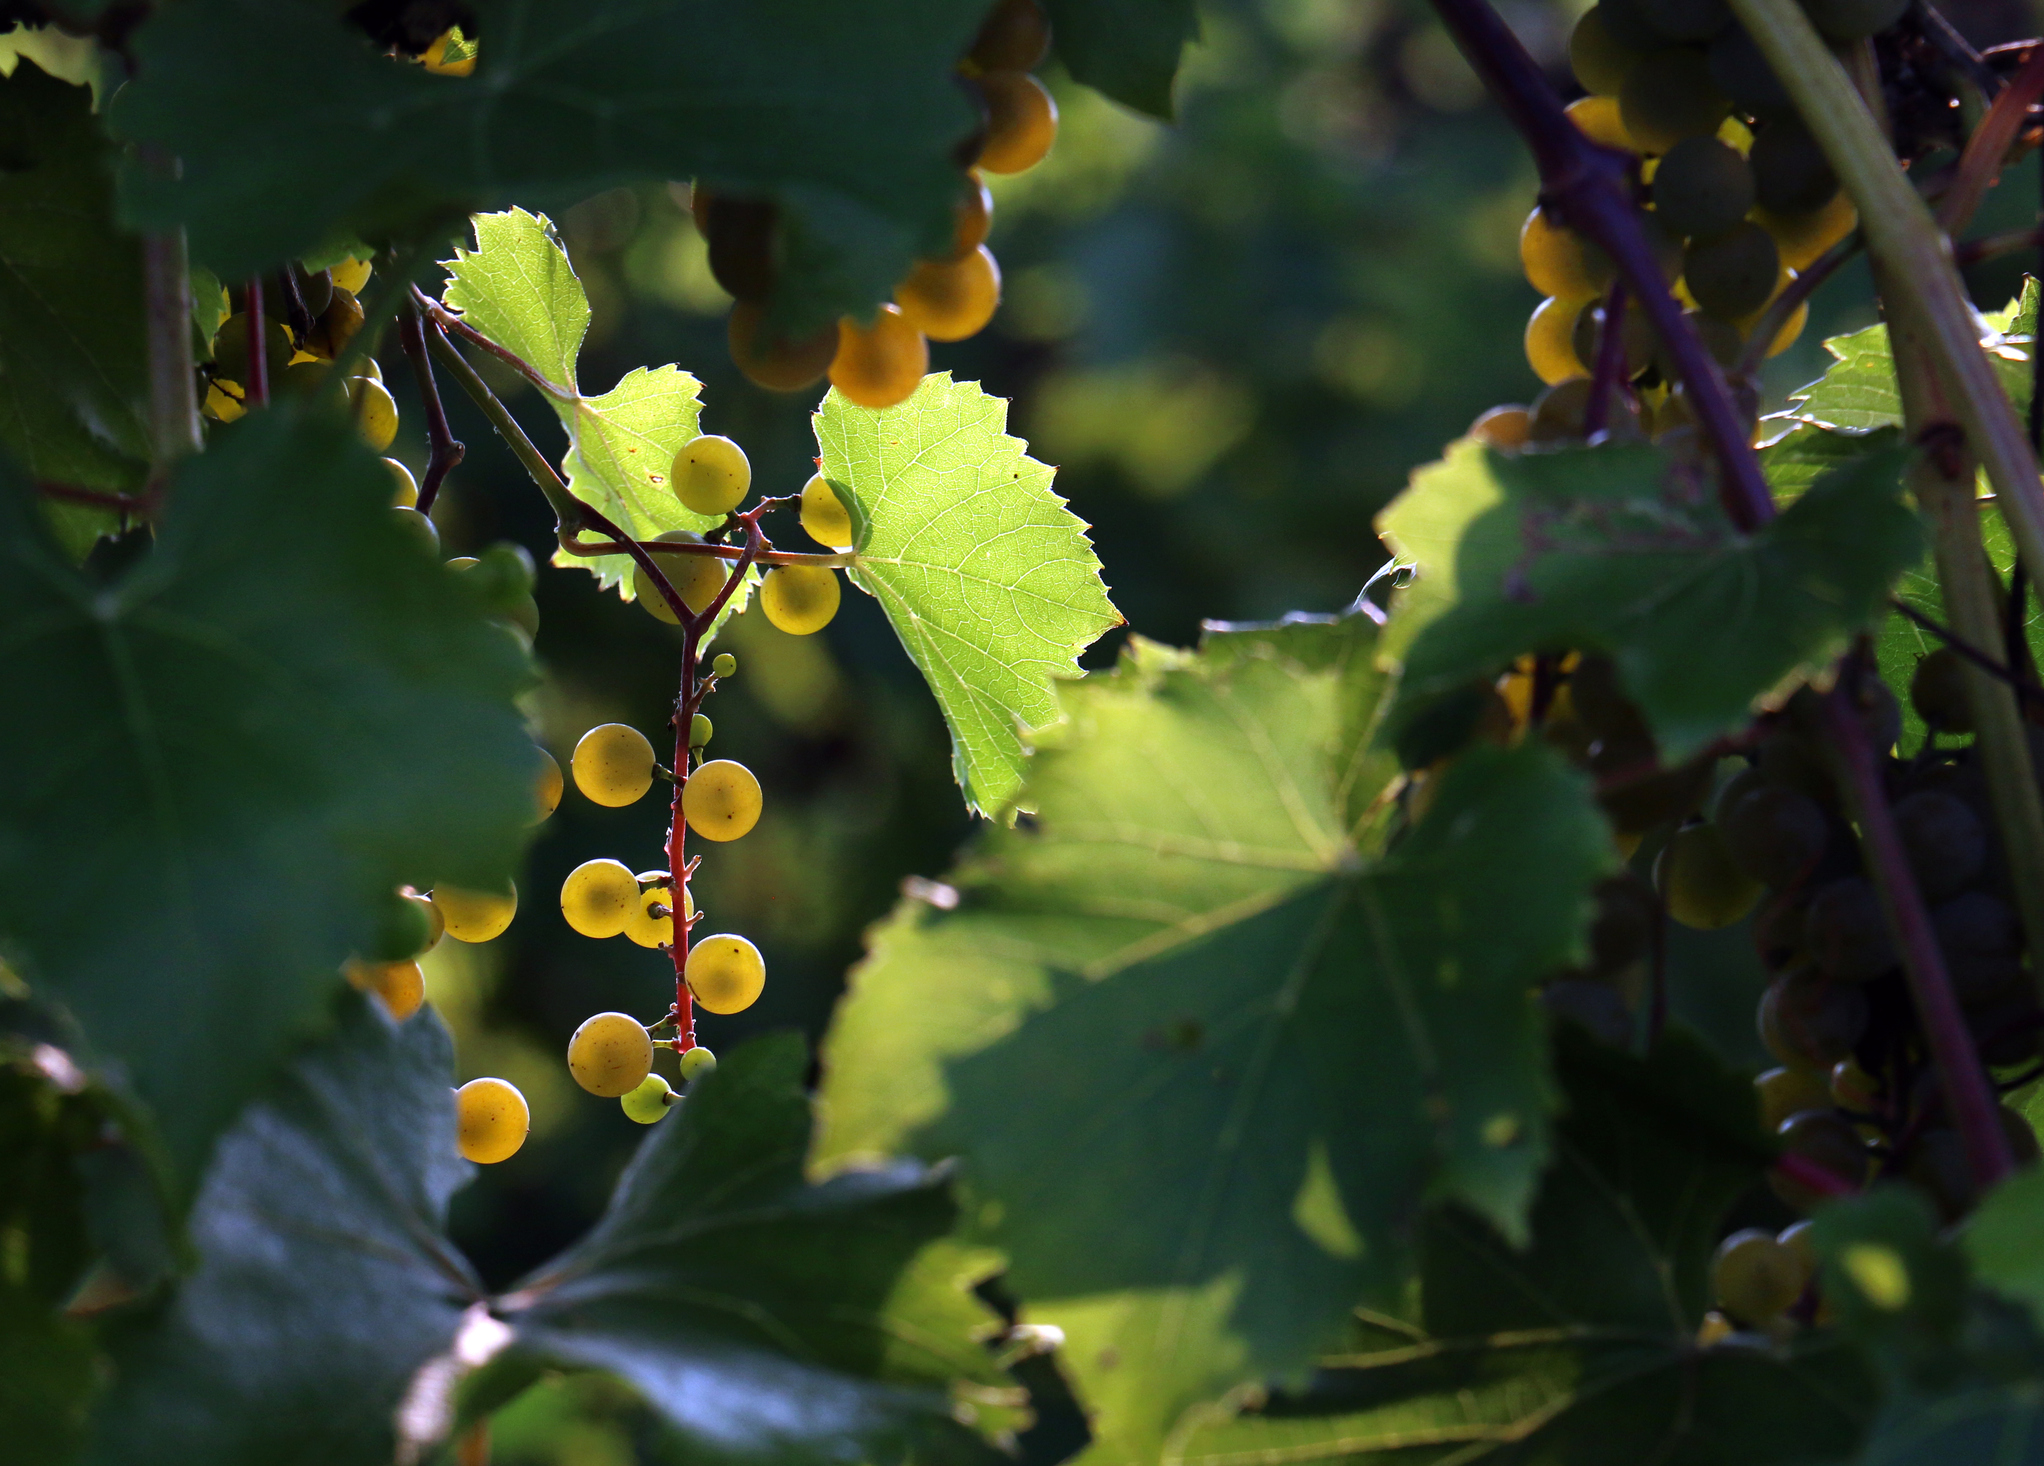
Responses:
[490,1120]
[697,1060]
[1636,335]
[1754,1277]
[404,928]
[1550,340]
[476,916]
[647,927]
[824,518]
[1021,121]
[303,379]
[1503,428]
[776,362]
[375,411]
[1809,1022]
[1702,187]
[610,1054]
[406,495]
[646,1104]
[230,349]
[337,326]
[1852,1088]
[881,364]
[1775,834]
[1945,840]
[1938,692]
[724,665]
[1734,274]
[721,800]
[1560,262]
[1687,20]
[1598,56]
[1785,1091]
[1558,414]
[504,574]
[613,765]
[697,579]
[1669,96]
[401,985]
[1014,37]
[598,897]
[949,300]
[546,786]
[799,599]
[1854,20]
[1827,1140]
[1847,932]
[700,731]
[1699,881]
[1790,173]
[315,289]
[1739,70]
[1721,339]
[725,973]
[711,475]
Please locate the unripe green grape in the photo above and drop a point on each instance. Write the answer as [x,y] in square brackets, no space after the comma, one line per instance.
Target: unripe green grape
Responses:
[1846,931]
[1558,414]
[724,665]
[1785,1091]
[1734,274]
[1021,121]
[1775,834]
[610,1054]
[1810,1022]
[401,985]
[406,495]
[1852,1088]
[337,326]
[546,785]
[824,518]
[613,765]
[491,1120]
[1854,20]
[1550,340]
[230,349]
[949,300]
[879,365]
[504,573]
[646,928]
[1669,96]
[799,599]
[598,897]
[405,927]
[1754,1276]
[711,475]
[700,730]
[1702,187]
[1946,842]
[647,1104]
[1937,691]
[1790,172]
[304,379]
[1700,882]
[375,412]
[695,1061]
[721,800]
[476,916]
[697,579]
[1560,262]
[1827,1140]
[1742,73]
[315,291]
[725,973]
[1597,55]
[1629,24]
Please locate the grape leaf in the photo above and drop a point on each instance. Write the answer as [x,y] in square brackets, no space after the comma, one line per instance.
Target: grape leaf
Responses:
[765,1318]
[1128,49]
[518,288]
[987,577]
[1580,1348]
[1619,550]
[325,1280]
[74,374]
[1858,390]
[2005,1240]
[230,753]
[849,115]
[1150,1021]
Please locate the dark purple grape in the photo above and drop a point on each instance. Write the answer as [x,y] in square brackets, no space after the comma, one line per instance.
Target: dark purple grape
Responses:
[1945,841]
[1775,834]
[1847,932]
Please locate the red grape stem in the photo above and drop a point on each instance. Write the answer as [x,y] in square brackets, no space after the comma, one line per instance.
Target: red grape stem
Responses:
[1591,187]
[446,450]
[1610,361]
[256,390]
[1981,162]
[143,505]
[1806,1172]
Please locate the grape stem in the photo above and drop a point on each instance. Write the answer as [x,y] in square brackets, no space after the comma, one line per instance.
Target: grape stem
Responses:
[1981,162]
[585,548]
[2029,691]
[142,505]
[257,387]
[173,388]
[1592,189]
[1610,358]
[446,450]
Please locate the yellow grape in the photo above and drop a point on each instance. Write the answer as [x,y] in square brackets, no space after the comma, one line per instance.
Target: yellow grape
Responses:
[546,785]
[350,275]
[1021,121]
[1504,428]
[648,930]
[1560,262]
[647,1104]
[375,412]
[609,1054]
[799,599]
[1601,121]
[407,495]
[725,973]
[475,916]
[824,517]
[613,765]
[881,364]
[223,405]
[975,216]
[1550,340]
[695,578]
[1784,1092]
[1755,1276]
[336,328]
[401,985]
[598,897]
[776,363]
[1804,238]
[721,800]
[1016,35]
[949,300]
[711,475]
[491,1120]
[436,920]
[697,1060]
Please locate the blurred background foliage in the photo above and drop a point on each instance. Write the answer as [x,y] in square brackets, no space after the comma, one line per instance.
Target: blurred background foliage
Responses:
[1234,336]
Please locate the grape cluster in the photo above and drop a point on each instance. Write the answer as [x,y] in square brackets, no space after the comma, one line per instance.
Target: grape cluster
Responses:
[1735,198]
[947,296]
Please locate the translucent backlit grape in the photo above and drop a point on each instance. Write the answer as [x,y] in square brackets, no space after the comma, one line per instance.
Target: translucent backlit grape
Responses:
[350,275]
[696,579]
[700,730]
[974,218]
[401,985]
[1021,121]
[824,517]
[775,362]
[721,800]
[695,1061]
[1698,879]
[405,493]
[613,765]
[1016,36]
[1561,263]
[1784,1092]
[599,897]
[725,973]
[375,411]
[711,475]
[610,1054]
[799,599]
[546,785]
[949,300]
[491,1120]
[476,916]
[880,364]
[1503,427]
[1669,96]
[1550,341]
[724,665]
[1600,120]
[337,326]
[648,1103]
[1754,1276]
[649,928]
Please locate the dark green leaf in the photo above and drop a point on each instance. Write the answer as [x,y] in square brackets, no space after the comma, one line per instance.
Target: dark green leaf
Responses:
[765,1318]
[324,1282]
[1128,49]
[1619,550]
[1580,1348]
[1804,454]
[849,115]
[46,1380]
[1155,1020]
[231,753]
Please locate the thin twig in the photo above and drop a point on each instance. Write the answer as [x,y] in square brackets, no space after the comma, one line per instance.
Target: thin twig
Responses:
[142,505]
[1955,48]
[451,322]
[257,387]
[446,450]
[587,548]
[2029,692]
[1992,246]
[1981,162]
